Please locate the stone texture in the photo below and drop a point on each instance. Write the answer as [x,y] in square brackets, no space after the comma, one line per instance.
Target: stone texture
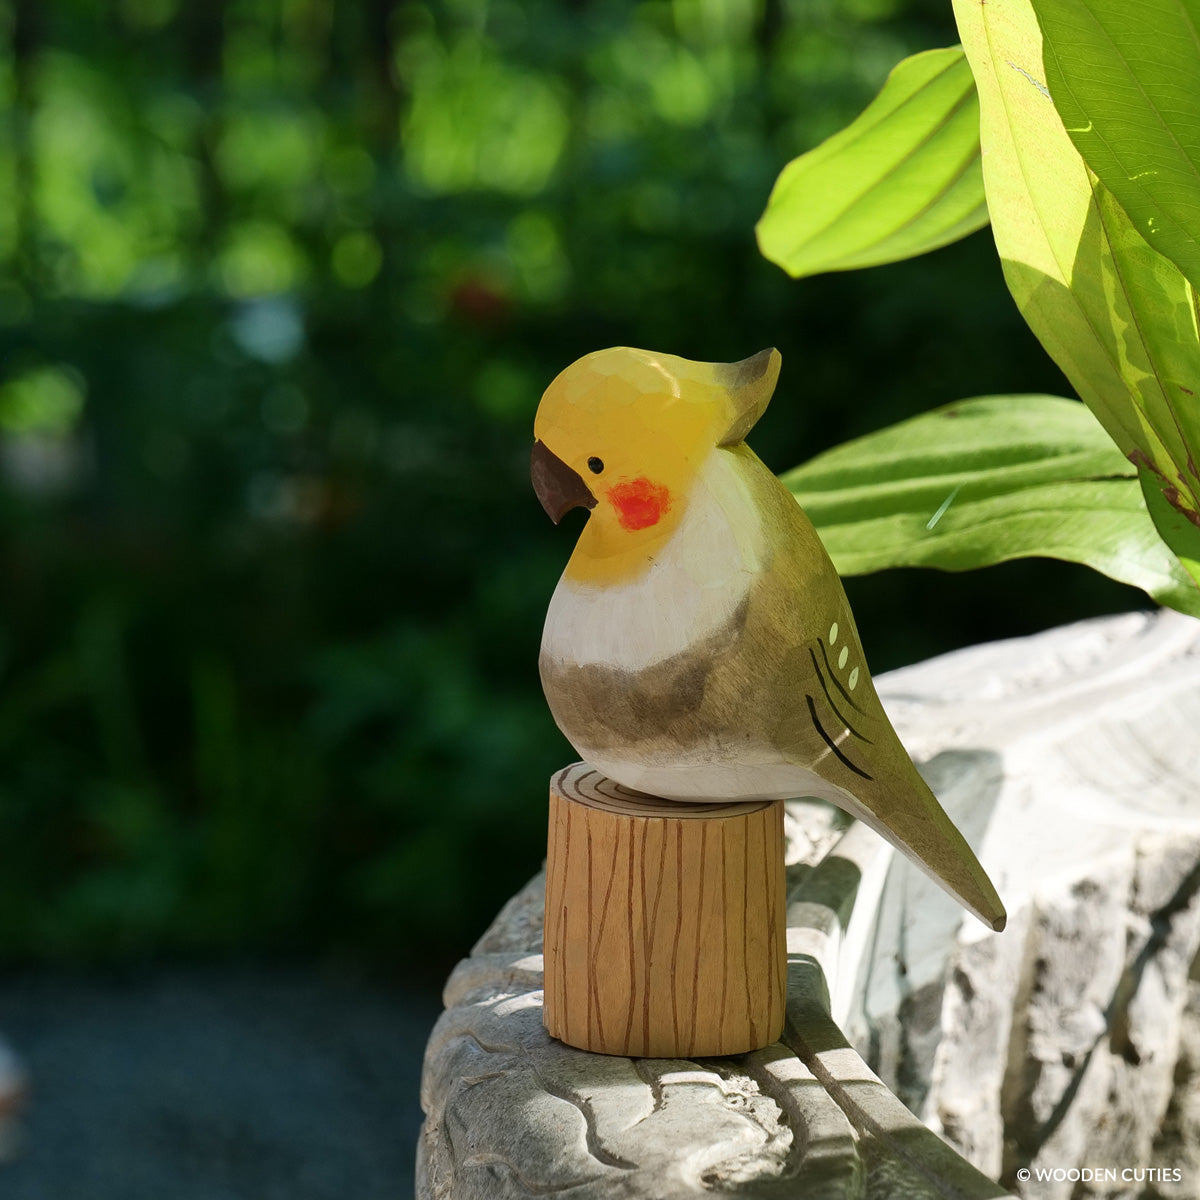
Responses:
[1071,1040]
[1053,1046]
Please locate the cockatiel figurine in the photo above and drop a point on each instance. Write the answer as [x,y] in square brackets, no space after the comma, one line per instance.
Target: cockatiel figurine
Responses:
[699,645]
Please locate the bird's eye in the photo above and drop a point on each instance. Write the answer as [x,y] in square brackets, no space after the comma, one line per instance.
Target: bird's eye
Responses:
[595,465]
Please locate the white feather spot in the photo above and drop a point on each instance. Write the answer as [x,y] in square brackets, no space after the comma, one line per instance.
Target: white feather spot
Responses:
[833,632]
[853,680]
[845,654]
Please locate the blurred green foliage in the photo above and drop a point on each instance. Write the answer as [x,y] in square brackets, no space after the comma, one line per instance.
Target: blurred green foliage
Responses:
[281,283]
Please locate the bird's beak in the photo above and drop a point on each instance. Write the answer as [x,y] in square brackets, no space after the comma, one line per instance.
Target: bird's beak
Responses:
[558,487]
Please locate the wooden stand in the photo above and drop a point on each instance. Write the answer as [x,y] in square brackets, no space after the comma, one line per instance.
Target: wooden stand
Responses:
[665,922]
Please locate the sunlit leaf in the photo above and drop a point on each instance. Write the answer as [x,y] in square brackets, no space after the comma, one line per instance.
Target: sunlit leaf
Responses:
[903,179]
[260,258]
[269,149]
[115,201]
[1164,383]
[1180,533]
[356,258]
[45,400]
[1116,316]
[1126,82]
[475,122]
[983,481]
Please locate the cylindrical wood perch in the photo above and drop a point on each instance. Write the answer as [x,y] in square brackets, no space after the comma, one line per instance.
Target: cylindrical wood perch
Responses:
[665,932]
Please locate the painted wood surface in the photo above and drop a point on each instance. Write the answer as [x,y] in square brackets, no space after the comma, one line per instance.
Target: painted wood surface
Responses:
[699,645]
[666,929]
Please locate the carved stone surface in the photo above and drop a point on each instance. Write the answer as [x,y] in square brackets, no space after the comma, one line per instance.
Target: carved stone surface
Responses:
[1076,757]
[1070,760]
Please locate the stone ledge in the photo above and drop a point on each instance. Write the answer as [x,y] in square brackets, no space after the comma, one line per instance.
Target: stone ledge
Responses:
[1069,761]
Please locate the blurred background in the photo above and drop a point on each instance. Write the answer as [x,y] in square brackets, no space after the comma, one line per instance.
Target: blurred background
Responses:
[281,283]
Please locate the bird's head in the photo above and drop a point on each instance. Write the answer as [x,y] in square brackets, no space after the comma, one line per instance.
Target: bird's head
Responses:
[624,432]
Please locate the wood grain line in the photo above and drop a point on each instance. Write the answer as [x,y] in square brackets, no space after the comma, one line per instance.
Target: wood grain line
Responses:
[585,785]
[592,984]
[660,875]
[702,893]
[745,923]
[596,944]
[701,976]
[647,941]
[550,947]
[563,1005]
[774,875]
[626,1041]
[678,931]
[724,895]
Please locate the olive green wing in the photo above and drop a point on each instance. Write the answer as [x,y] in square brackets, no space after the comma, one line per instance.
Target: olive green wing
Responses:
[830,721]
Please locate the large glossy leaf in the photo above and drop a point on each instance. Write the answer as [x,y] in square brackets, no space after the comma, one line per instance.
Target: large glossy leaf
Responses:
[903,179]
[983,481]
[1125,78]
[1116,316]
[1180,533]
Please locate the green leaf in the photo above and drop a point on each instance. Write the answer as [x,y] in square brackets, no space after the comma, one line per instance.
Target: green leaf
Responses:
[903,179]
[1117,317]
[1180,532]
[1125,78]
[986,480]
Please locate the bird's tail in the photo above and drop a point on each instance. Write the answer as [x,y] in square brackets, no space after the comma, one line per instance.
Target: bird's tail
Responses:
[917,825]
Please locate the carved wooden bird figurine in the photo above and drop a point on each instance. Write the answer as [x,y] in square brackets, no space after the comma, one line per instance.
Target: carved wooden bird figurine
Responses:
[699,645]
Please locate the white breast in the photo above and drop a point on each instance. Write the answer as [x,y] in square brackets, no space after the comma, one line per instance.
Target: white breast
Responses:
[693,586]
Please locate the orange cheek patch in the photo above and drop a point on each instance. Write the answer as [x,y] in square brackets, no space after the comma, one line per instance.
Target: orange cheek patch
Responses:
[639,502]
